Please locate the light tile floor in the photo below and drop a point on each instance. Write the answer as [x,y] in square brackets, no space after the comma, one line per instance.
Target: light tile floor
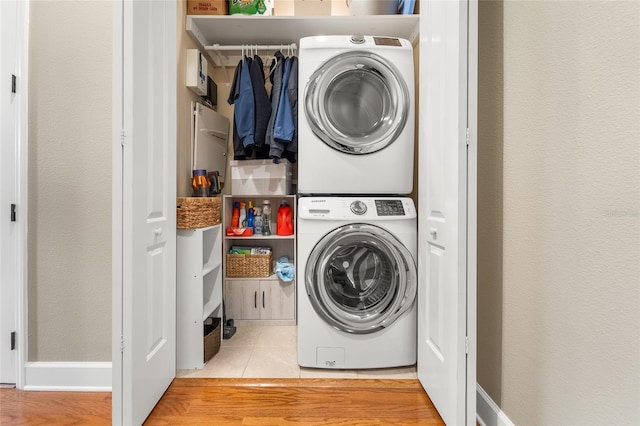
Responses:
[270,352]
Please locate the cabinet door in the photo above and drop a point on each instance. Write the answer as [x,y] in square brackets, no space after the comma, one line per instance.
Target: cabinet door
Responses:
[277,300]
[242,300]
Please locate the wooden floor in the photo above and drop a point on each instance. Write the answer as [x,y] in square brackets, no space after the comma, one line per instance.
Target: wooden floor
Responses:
[240,402]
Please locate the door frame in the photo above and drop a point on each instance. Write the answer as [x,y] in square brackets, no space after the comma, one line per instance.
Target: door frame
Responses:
[18,244]
[117,212]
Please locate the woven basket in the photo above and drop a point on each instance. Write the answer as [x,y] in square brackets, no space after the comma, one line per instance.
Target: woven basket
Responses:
[197,212]
[248,265]
[211,339]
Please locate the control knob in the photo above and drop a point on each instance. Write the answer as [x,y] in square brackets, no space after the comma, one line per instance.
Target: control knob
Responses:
[358,207]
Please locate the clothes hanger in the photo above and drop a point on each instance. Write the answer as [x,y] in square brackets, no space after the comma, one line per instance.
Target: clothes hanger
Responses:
[273,68]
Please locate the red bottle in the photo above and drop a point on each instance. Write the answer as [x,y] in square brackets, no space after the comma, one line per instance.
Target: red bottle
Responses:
[284,224]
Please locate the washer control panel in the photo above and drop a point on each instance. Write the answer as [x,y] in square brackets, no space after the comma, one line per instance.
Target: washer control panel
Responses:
[356,208]
[389,208]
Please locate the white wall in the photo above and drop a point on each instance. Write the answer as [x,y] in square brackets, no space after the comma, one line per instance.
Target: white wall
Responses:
[69,274]
[569,284]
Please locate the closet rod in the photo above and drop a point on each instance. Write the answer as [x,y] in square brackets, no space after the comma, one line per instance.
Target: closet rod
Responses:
[218,47]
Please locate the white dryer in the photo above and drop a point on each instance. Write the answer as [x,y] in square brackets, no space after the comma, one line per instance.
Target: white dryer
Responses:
[356,101]
[357,282]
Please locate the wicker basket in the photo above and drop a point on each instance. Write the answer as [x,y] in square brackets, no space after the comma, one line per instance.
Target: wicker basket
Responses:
[211,339]
[248,265]
[197,212]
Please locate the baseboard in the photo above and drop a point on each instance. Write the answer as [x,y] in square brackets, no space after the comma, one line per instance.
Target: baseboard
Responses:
[68,376]
[488,412]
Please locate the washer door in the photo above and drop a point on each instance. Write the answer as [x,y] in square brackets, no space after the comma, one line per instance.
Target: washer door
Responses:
[357,103]
[360,278]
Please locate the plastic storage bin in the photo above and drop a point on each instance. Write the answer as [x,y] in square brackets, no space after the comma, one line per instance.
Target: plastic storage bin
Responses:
[260,177]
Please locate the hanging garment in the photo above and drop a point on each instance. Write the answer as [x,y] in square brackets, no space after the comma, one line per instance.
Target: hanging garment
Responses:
[238,149]
[241,96]
[277,68]
[262,102]
[292,91]
[283,129]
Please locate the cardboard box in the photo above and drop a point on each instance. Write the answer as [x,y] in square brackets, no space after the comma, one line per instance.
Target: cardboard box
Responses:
[207,7]
[260,177]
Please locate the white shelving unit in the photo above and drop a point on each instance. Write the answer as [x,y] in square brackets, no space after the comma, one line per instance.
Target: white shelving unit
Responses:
[266,300]
[281,30]
[199,290]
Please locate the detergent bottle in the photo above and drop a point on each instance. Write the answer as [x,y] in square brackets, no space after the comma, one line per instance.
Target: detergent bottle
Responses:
[284,224]
[235,216]
[243,215]
[250,216]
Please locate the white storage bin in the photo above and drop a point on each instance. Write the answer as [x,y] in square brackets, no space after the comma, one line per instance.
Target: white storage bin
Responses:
[260,177]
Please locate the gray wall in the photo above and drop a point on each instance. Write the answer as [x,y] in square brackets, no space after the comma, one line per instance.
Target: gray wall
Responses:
[69,228]
[559,239]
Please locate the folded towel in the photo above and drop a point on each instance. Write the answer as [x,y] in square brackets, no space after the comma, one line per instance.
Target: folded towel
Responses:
[285,269]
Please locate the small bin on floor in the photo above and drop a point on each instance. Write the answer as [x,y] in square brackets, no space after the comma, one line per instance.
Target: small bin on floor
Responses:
[212,339]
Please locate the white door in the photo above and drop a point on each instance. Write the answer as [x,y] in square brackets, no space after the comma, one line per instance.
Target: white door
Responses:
[144,303]
[13,218]
[447,208]
[8,189]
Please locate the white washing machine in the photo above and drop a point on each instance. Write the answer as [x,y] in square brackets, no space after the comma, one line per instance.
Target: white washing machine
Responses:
[357,282]
[356,101]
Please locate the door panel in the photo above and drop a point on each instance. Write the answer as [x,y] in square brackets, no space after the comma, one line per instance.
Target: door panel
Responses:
[434,332]
[10,104]
[241,299]
[279,303]
[144,164]
[446,221]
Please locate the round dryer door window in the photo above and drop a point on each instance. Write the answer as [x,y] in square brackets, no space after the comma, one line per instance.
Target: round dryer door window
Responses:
[360,278]
[357,103]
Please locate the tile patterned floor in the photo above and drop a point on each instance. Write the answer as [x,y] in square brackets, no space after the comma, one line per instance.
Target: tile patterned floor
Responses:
[270,352]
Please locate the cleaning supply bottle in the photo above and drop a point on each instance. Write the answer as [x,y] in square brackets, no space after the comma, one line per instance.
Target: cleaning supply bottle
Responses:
[266,217]
[284,225]
[235,216]
[250,217]
[243,215]
[257,221]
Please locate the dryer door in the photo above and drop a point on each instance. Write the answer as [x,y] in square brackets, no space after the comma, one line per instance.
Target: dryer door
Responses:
[357,103]
[360,278]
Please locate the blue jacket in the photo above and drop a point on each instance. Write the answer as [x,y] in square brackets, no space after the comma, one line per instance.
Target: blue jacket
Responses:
[284,126]
[241,97]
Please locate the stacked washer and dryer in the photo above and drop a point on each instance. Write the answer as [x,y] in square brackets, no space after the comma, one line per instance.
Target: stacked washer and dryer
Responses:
[357,230]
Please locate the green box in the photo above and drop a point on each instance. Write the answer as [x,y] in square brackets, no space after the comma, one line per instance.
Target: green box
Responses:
[247,7]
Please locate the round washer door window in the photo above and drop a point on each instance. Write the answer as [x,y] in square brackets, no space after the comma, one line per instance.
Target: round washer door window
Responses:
[357,103]
[360,278]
